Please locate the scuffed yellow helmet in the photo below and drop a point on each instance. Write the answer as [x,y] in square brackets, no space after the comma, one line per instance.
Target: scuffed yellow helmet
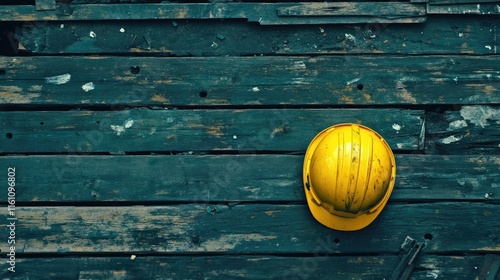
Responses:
[349,173]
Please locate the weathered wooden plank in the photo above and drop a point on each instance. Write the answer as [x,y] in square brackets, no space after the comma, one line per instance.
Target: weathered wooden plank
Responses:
[439,35]
[45,5]
[263,13]
[467,9]
[343,9]
[144,130]
[319,266]
[230,178]
[323,81]
[459,130]
[250,228]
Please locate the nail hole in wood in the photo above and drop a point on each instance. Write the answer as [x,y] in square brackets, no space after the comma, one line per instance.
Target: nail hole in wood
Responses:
[428,236]
[3,72]
[203,93]
[360,86]
[135,70]
[9,135]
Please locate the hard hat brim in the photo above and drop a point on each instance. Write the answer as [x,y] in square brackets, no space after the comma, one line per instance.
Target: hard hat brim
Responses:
[321,214]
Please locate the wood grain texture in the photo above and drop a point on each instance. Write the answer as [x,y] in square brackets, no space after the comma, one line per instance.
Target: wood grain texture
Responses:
[231,178]
[439,35]
[145,130]
[249,228]
[224,81]
[263,13]
[319,266]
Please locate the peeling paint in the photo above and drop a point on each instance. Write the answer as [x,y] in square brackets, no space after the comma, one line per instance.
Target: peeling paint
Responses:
[299,65]
[119,129]
[88,86]
[58,80]
[455,125]
[451,139]
[396,127]
[479,115]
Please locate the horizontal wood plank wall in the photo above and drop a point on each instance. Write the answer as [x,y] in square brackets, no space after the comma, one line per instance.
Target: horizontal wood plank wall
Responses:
[174,148]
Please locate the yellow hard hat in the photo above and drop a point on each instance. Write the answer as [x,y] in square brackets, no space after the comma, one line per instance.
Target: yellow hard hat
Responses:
[349,173]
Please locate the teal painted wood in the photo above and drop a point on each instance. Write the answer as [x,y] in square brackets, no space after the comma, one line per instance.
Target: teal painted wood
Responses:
[263,13]
[225,81]
[129,180]
[320,266]
[250,228]
[457,131]
[439,35]
[145,130]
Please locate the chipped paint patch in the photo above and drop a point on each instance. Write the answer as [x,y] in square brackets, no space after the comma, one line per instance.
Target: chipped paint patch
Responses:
[159,98]
[396,127]
[451,139]
[119,129]
[58,80]
[12,95]
[400,145]
[350,37]
[457,125]
[88,86]
[255,89]
[230,241]
[404,93]
[479,115]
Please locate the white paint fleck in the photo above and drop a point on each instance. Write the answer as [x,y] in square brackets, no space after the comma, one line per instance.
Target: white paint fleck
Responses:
[455,79]
[350,37]
[396,127]
[352,81]
[321,30]
[170,120]
[451,139]
[479,115]
[133,257]
[255,89]
[122,30]
[62,25]
[498,8]
[58,80]
[153,130]
[454,125]
[488,47]
[128,123]
[119,129]
[400,145]
[88,86]
[460,35]
[92,34]
[235,137]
